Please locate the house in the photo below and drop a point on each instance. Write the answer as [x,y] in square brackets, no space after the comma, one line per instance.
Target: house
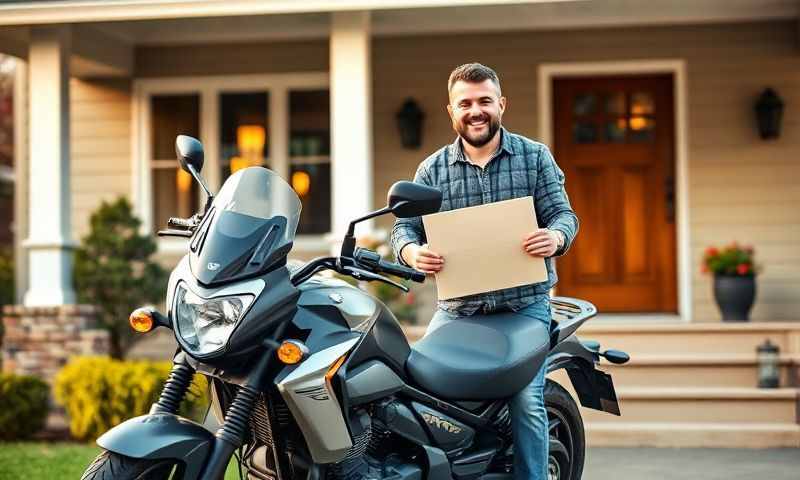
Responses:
[648,107]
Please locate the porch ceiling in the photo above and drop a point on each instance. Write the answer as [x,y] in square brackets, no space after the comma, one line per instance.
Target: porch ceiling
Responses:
[194,24]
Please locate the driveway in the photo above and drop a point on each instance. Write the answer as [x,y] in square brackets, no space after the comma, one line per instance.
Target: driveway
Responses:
[691,463]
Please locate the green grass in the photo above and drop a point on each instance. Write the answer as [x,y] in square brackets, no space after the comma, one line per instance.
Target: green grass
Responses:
[50,461]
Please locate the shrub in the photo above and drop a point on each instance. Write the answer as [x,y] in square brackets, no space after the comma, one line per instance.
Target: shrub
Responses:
[23,406]
[99,392]
[113,271]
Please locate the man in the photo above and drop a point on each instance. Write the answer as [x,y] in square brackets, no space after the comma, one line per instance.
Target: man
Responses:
[486,164]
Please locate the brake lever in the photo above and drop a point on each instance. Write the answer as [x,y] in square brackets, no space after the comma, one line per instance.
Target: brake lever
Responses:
[360,274]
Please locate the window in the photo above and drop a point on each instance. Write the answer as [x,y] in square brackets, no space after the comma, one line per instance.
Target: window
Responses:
[175,193]
[280,121]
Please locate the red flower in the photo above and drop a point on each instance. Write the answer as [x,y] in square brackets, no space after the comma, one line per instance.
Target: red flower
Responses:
[743,269]
[711,251]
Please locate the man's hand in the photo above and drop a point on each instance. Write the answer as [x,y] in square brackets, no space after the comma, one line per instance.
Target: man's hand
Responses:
[422,259]
[542,242]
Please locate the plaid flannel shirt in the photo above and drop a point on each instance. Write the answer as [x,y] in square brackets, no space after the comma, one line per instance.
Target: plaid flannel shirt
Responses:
[519,168]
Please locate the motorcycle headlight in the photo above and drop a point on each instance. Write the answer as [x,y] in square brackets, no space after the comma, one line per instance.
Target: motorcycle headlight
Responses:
[205,324]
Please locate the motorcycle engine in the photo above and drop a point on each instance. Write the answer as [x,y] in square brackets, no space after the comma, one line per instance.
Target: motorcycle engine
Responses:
[373,454]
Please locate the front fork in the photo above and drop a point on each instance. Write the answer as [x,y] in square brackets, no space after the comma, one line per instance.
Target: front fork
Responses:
[231,434]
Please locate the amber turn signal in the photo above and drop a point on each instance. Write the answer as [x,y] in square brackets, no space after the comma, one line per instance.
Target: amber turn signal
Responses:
[141,320]
[292,351]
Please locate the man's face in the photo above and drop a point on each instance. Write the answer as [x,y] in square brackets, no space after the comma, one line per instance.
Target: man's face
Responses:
[476,110]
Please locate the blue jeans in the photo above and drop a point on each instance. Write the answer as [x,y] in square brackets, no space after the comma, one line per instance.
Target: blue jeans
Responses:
[528,414]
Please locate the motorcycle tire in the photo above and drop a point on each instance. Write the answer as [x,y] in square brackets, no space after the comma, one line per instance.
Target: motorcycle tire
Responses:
[567,437]
[113,466]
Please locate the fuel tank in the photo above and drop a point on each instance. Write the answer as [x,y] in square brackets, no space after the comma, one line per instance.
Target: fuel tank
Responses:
[335,311]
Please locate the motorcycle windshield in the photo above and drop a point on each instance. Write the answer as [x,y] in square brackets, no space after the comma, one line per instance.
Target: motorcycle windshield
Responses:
[250,227]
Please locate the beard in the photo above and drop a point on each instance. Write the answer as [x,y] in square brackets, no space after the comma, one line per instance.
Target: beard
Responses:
[478,140]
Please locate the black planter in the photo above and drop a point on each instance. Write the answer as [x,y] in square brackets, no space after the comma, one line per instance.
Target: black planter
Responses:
[735,295]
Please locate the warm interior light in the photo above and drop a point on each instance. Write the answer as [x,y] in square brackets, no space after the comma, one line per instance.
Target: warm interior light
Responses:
[141,320]
[238,163]
[301,182]
[638,123]
[290,352]
[250,139]
[183,181]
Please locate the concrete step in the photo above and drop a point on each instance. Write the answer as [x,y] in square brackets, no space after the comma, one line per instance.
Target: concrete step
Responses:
[720,370]
[687,434]
[699,404]
[693,338]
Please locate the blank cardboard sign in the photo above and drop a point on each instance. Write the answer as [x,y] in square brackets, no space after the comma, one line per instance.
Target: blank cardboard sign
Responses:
[482,247]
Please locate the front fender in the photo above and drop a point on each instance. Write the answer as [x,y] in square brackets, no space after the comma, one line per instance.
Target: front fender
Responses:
[161,435]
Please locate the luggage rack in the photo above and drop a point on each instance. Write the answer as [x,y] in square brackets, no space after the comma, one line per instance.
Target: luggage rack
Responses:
[568,314]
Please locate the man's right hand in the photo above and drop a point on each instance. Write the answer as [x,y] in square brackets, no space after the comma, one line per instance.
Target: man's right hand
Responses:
[422,258]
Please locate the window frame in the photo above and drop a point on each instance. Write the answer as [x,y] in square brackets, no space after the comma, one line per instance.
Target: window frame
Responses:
[278,86]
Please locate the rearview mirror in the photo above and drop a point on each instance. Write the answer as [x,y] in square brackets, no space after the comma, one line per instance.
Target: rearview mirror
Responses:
[409,199]
[190,153]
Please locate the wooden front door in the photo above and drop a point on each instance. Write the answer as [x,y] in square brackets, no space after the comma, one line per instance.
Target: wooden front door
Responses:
[614,142]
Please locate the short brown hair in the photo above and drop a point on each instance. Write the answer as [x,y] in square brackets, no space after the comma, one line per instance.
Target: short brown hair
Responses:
[473,73]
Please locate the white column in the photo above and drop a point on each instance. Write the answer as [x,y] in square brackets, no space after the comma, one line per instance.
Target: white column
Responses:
[49,230]
[351,119]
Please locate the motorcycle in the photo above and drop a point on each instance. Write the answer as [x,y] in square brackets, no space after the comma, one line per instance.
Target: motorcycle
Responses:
[312,378]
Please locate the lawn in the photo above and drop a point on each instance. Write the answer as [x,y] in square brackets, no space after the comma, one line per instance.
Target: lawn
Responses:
[47,461]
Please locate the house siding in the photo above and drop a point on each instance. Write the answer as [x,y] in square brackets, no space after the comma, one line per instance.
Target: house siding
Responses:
[100,167]
[740,187]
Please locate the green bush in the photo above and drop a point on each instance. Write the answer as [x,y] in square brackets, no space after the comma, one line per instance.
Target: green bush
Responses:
[23,406]
[113,271]
[99,392]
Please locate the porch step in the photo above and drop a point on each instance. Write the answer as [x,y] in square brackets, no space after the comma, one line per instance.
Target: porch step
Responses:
[710,405]
[719,371]
[686,434]
[693,339]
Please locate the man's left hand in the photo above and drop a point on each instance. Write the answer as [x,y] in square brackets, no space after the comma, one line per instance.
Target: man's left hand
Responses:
[541,243]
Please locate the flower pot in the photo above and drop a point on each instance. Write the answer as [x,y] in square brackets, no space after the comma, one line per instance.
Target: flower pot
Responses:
[735,295]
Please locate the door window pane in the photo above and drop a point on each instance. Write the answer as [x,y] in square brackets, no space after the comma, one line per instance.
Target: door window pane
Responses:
[309,158]
[585,104]
[641,129]
[615,130]
[615,103]
[244,133]
[174,192]
[642,103]
[584,132]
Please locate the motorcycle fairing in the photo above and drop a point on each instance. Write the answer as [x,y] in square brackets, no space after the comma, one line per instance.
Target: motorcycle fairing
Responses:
[161,435]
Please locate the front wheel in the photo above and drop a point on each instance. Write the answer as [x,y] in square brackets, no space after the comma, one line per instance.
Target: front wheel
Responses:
[113,466]
[567,438]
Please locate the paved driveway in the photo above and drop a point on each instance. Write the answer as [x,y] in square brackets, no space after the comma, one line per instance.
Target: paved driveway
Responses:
[691,464]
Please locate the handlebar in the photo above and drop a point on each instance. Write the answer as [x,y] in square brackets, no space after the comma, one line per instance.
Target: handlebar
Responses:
[375,263]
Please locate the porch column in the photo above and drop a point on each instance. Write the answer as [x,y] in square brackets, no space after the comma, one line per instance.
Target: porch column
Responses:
[49,229]
[351,119]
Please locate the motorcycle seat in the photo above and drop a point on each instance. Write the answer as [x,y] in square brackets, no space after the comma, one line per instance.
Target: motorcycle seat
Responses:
[484,357]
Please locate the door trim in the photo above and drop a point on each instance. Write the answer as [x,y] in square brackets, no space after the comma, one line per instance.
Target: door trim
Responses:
[676,67]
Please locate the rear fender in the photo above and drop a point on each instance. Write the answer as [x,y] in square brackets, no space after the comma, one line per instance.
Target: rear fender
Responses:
[161,435]
[594,387]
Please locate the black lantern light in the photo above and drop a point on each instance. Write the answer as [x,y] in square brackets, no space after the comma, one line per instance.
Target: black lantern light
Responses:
[768,365]
[409,121]
[769,112]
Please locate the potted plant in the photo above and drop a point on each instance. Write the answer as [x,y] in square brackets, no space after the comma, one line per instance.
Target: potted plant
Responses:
[734,280]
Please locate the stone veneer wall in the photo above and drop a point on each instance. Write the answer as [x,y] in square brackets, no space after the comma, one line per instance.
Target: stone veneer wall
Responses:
[40,340]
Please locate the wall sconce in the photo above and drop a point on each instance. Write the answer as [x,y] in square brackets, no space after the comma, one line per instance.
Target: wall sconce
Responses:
[769,113]
[409,121]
